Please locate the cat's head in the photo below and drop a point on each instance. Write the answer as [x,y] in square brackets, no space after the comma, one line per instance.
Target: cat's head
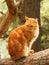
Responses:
[31,22]
[32,26]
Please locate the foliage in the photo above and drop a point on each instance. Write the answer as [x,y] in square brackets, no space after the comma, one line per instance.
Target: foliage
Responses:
[3,7]
[45,23]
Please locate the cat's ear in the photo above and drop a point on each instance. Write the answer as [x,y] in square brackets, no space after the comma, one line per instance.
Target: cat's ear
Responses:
[26,18]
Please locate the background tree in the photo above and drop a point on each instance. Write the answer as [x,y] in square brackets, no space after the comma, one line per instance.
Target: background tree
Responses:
[31,8]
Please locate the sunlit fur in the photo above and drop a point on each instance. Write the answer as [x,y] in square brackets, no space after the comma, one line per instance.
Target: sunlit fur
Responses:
[21,38]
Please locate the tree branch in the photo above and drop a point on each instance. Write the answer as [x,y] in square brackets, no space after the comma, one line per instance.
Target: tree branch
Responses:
[13,6]
[38,58]
[9,16]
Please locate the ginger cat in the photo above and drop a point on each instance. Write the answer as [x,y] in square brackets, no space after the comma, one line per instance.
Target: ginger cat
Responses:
[21,38]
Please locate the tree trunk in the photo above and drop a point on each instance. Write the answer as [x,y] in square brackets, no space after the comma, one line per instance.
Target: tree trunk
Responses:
[38,58]
[31,8]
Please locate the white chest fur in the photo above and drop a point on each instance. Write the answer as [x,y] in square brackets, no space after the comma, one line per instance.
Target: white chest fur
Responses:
[36,33]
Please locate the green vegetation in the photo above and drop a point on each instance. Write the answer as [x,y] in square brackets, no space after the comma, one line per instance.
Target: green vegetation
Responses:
[44,15]
[45,23]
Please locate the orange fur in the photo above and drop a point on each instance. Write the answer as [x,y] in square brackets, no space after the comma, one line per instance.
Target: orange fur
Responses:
[21,38]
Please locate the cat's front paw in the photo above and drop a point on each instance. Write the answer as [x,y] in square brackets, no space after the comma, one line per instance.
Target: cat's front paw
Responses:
[31,52]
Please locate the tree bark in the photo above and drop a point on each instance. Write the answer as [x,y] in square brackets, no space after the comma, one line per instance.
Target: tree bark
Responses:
[38,58]
[31,8]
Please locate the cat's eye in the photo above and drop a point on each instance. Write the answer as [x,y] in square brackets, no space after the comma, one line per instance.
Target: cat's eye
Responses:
[29,25]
